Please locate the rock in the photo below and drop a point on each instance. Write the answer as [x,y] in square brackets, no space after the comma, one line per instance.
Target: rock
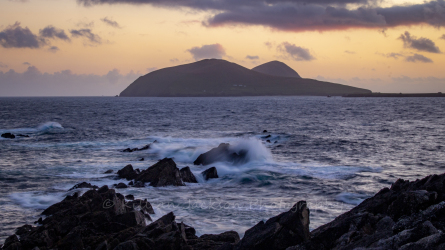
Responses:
[187,175]
[127,172]
[142,159]
[22,135]
[280,232]
[267,136]
[137,149]
[103,189]
[129,197]
[8,136]
[142,205]
[163,173]
[121,185]
[128,245]
[108,171]
[139,184]
[268,141]
[131,219]
[210,173]
[83,185]
[222,153]
[131,183]
[264,131]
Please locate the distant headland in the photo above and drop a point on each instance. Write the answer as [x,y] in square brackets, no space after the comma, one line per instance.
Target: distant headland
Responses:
[216,77]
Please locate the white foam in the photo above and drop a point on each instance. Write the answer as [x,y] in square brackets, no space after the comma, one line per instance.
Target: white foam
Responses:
[42,128]
[351,198]
[36,200]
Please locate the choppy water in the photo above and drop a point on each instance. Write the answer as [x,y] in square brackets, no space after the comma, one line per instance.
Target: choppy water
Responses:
[332,152]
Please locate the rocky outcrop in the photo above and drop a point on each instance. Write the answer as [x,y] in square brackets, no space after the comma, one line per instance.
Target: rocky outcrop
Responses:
[187,175]
[210,173]
[8,136]
[83,185]
[137,149]
[103,220]
[222,153]
[163,173]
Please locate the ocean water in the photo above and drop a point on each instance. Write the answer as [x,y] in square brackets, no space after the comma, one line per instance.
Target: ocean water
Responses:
[332,152]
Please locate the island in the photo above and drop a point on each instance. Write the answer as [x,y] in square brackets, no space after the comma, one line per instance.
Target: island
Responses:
[217,77]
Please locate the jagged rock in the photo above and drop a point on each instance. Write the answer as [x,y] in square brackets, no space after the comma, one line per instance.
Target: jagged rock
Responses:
[163,173]
[108,171]
[83,185]
[137,149]
[129,197]
[142,205]
[210,173]
[222,153]
[8,136]
[121,185]
[187,175]
[127,172]
[280,232]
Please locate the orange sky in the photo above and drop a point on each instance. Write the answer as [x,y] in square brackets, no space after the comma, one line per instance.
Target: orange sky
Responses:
[149,37]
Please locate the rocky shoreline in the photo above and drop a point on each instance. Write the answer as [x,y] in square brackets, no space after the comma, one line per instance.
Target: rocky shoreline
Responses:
[408,215]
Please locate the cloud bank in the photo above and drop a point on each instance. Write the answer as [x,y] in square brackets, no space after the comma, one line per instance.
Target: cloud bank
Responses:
[216,51]
[64,83]
[303,15]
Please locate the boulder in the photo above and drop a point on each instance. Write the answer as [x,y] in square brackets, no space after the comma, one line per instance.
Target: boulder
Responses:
[280,232]
[222,153]
[129,197]
[83,185]
[22,135]
[108,171]
[137,149]
[187,175]
[121,185]
[210,173]
[8,136]
[127,172]
[163,173]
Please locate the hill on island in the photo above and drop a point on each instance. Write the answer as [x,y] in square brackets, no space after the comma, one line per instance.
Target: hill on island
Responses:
[276,68]
[216,77]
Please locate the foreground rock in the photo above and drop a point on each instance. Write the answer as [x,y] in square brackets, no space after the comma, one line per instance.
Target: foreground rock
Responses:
[103,220]
[163,173]
[8,136]
[210,173]
[222,153]
[84,185]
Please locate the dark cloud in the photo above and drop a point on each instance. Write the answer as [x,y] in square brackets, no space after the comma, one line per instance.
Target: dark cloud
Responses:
[2,65]
[208,51]
[53,32]
[111,22]
[53,49]
[32,82]
[252,57]
[420,44]
[303,15]
[349,52]
[418,58]
[26,63]
[93,38]
[442,37]
[14,36]
[297,53]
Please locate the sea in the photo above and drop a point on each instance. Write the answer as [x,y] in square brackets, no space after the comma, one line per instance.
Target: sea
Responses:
[332,152]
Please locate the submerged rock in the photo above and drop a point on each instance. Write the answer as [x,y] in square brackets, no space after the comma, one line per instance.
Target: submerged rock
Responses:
[8,136]
[121,185]
[108,171]
[163,173]
[210,173]
[187,175]
[83,185]
[137,149]
[221,154]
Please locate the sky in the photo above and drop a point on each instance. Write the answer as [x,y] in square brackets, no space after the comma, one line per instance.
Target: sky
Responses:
[98,47]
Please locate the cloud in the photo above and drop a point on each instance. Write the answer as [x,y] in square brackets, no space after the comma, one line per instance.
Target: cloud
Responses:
[349,52]
[14,36]
[252,57]
[391,55]
[151,69]
[421,44]
[297,53]
[208,51]
[52,32]
[86,33]
[26,63]
[2,65]
[111,22]
[32,82]
[268,45]
[418,58]
[442,37]
[53,49]
[174,60]
[303,15]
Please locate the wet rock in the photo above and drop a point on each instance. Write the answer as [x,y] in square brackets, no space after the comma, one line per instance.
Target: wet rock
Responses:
[103,189]
[268,141]
[127,172]
[163,173]
[139,184]
[264,131]
[280,232]
[22,135]
[142,159]
[136,149]
[83,185]
[129,197]
[222,153]
[121,185]
[108,171]
[210,173]
[187,175]
[8,136]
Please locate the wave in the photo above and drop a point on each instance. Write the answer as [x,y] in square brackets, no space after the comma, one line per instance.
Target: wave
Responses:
[36,200]
[351,198]
[47,127]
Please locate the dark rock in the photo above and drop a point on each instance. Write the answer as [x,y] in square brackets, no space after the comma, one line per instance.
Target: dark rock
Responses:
[121,185]
[131,183]
[267,136]
[142,205]
[187,175]
[280,232]
[210,173]
[129,197]
[131,219]
[127,172]
[268,141]
[264,131]
[163,173]
[103,189]
[136,149]
[83,185]
[108,171]
[10,240]
[128,245]
[22,135]
[142,159]
[222,153]
[8,136]
[139,184]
